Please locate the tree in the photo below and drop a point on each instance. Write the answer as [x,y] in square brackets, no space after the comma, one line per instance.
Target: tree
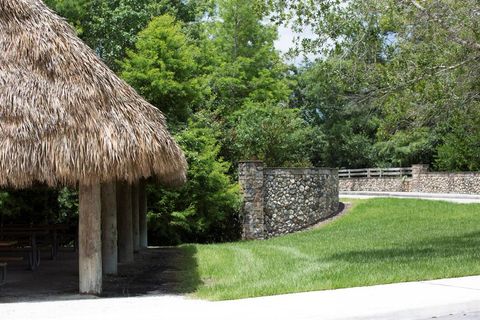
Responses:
[206,208]
[277,135]
[75,11]
[164,70]
[246,71]
[418,62]
[461,150]
[248,67]
[349,130]
[114,24]
[110,27]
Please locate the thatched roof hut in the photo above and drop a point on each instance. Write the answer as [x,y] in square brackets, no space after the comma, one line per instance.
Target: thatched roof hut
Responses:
[65,117]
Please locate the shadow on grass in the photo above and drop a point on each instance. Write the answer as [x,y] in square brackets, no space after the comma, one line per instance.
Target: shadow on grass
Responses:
[463,245]
[189,279]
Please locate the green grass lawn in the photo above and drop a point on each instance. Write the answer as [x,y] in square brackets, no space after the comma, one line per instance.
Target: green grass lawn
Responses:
[378,241]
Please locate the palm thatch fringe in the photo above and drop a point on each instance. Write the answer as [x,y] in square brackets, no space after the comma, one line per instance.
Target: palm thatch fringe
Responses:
[65,117]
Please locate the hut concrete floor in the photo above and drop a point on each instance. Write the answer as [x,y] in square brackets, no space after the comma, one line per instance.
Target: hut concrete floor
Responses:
[164,270]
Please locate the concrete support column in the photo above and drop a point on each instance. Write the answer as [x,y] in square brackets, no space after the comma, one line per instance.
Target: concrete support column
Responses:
[251,181]
[135,218]
[90,239]
[142,211]
[109,228]
[124,222]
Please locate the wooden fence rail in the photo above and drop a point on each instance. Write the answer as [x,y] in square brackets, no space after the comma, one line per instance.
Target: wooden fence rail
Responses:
[375,172]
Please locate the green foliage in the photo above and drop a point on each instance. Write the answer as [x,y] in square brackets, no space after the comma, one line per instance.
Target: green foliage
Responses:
[349,130]
[68,206]
[401,70]
[205,209]
[247,65]
[276,135]
[114,24]
[396,83]
[37,204]
[406,148]
[110,27]
[461,150]
[247,71]
[164,70]
[75,11]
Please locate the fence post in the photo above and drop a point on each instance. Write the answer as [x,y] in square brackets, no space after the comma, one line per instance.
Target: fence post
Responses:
[250,176]
[417,171]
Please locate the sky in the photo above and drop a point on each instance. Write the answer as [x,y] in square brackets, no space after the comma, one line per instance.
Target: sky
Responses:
[286,41]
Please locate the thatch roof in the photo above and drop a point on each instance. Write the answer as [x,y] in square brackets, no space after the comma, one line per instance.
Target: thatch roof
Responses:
[65,117]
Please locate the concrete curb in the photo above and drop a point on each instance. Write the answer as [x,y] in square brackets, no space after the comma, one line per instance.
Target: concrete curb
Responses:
[408,300]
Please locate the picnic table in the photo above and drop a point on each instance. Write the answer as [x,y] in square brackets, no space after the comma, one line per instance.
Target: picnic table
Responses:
[26,241]
[8,243]
[31,238]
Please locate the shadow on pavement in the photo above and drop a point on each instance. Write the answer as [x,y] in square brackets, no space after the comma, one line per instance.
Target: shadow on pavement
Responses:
[156,271]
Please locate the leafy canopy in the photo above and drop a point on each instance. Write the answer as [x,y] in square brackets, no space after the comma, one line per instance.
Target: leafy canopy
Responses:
[163,68]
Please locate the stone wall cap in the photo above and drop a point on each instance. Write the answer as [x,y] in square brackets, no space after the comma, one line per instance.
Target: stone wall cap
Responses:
[382,177]
[452,173]
[301,168]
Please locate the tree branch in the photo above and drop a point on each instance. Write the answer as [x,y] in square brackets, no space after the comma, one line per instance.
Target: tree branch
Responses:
[416,4]
[382,92]
[453,34]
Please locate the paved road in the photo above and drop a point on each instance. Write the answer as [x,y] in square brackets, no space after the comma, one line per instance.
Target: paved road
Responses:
[441,299]
[451,197]
[459,316]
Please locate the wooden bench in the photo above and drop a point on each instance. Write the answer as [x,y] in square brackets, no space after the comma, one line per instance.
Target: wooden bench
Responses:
[13,250]
[3,267]
[21,254]
[46,237]
[10,259]
[26,243]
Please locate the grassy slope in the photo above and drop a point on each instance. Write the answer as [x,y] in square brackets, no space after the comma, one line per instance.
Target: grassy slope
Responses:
[378,241]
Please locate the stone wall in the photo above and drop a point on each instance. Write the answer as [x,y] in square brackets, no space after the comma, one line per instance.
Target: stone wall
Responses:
[421,181]
[284,200]
[250,177]
[433,182]
[386,184]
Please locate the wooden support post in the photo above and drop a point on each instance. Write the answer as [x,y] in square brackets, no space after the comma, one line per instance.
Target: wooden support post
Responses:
[135,218]
[90,239]
[124,222]
[142,211]
[109,228]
